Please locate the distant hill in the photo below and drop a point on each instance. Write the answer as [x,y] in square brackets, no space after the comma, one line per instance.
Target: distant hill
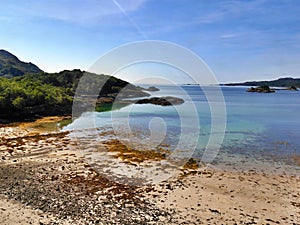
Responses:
[282,82]
[11,66]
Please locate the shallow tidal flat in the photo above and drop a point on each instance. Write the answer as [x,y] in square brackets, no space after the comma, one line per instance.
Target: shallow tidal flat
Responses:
[45,179]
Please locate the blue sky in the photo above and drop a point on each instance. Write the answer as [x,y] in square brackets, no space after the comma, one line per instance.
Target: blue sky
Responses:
[239,40]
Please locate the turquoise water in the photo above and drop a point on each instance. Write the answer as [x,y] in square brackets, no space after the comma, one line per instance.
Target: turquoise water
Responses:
[260,126]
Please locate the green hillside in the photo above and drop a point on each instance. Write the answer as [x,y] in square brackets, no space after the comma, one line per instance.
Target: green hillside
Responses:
[26,92]
[43,94]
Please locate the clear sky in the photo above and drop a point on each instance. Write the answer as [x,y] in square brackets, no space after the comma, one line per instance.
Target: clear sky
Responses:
[239,40]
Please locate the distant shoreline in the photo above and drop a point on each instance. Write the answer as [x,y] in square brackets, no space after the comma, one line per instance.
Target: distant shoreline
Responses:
[281,82]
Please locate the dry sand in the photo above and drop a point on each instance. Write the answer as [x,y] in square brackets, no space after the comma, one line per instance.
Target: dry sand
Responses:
[214,197]
[45,180]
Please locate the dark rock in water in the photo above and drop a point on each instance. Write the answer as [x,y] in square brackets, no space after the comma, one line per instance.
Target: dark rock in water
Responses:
[261,89]
[164,101]
[152,88]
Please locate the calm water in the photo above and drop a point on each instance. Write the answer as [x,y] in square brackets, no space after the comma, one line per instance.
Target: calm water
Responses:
[259,126]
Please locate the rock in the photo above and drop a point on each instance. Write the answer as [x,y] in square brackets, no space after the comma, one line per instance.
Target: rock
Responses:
[152,88]
[163,101]
[102,100]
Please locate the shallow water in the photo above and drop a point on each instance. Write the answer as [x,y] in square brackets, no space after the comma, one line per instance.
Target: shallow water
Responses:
[258,126]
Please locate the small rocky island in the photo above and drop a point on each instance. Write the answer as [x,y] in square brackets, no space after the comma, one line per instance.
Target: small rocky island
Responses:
[111,103]
[281,84]
[292,88]
[163,101]
[267,89]
[261,89]
[151,88]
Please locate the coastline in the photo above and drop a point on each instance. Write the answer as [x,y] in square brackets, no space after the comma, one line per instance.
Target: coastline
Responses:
[49,181]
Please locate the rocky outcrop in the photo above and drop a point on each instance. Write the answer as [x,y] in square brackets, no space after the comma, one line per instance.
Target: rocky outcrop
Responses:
[152,89]
[163,101]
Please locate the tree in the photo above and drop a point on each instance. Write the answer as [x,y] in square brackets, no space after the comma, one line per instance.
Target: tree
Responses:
[19,102]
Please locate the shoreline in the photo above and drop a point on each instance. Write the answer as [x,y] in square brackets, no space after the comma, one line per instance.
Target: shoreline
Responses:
[50,176]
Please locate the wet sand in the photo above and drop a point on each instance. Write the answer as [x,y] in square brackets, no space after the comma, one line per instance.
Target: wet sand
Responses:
[45,180]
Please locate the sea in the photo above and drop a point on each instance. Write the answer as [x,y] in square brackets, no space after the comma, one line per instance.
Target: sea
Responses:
[226,126]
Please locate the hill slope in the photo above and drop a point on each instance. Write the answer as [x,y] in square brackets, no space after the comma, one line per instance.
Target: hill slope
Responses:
[26,92]
[11,66]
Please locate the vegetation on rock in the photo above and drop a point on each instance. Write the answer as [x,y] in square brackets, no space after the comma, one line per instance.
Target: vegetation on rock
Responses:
[23,97]
[131,155]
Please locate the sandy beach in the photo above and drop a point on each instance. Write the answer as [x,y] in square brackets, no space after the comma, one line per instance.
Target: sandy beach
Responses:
[45,180]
